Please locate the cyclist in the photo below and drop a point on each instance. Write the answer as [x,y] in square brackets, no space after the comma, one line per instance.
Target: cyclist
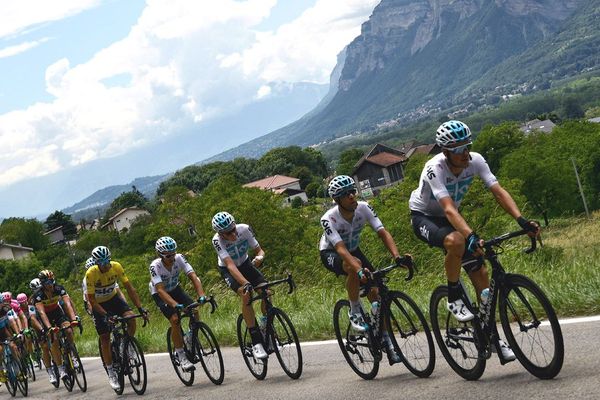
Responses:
[15,314]
[31,321]
[103,297]
[5,333]
[53,308]
[231,242]
[437,221]
[341,254]
[168,294]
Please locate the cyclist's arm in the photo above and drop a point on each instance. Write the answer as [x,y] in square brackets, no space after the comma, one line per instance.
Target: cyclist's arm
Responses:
[452,214]
[505,200]
[197,283]
[14,324]
[23,319]
[95,305]
[259,255]
[132,294]
[348,258]
[39,307]
[388,241]
[164,295]
[68,305]
[234,271]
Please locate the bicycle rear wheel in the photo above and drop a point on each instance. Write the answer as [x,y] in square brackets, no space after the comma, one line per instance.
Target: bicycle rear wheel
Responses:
[257,367]
[459,341]
[411,334]
[187,377]
[209,352]
[11,378]
[78,371]
[28,366]
[56,374]
[20,375]
[135,365]
[68,380]
[357,347]
[283,340]
[531,327]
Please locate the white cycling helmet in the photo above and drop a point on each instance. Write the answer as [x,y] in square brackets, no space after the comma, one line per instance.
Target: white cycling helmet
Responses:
[223,222]
[451,132]
[90,262]
[101,255]
[35,284]
[340,185]
[165,244]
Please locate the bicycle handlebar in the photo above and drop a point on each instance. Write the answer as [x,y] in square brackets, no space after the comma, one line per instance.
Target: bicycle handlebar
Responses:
[289,280]
[210,299]
[123,320]
[488,244]
[405,261]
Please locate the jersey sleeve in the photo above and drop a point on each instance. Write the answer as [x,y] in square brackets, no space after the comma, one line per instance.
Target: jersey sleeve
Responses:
[219,247]
[483,170]
[60,290]
[373,219]
[252,238]
[185,265]
[154,275]
[331,234]
[433,177]
[120,271]
[90,288]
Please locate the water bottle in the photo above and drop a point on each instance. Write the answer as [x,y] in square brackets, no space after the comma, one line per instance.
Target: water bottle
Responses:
[375,307]
[187,338]
[262,325]
[485,296]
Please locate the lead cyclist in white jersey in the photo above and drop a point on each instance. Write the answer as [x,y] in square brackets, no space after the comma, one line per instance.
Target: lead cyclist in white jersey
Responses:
[436,220]
[168,294]
[340,251]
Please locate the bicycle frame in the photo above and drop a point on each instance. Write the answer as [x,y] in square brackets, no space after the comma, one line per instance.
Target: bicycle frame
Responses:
[188,312]
[264,294]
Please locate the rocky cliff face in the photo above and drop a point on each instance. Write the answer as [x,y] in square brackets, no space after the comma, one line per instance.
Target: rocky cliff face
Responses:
[401,28]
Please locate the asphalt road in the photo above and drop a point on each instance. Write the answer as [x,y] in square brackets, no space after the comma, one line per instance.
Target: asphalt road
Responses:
[326,375]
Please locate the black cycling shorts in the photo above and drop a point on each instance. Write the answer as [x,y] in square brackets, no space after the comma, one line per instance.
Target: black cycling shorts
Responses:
[333,262]
[248,271]
[178,295]
[433,231]
[115,306]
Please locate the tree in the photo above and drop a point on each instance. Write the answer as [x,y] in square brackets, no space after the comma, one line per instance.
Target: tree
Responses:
[495,142]
[348,159]
[126,199]
[58,218]
[27,232]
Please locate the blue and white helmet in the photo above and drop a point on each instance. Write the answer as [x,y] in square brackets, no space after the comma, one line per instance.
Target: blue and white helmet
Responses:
[165,244]
[340,185]
[90,262]
[222,221]
[101,255]
[451,132]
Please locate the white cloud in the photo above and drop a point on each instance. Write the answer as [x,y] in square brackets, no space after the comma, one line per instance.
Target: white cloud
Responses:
[21,15]
[189,61]
[20,48]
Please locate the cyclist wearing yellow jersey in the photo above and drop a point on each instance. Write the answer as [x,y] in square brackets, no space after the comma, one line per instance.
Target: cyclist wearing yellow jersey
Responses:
[103,297]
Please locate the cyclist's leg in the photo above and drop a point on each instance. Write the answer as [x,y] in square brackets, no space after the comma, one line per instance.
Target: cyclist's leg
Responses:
[103,331]
[256,278]
[171,315]
[479,277]
[118,306]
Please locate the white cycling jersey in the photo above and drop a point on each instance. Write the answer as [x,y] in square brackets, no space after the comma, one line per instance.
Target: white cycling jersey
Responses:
[437,182]
[160,274]
[237,249]
[337,229]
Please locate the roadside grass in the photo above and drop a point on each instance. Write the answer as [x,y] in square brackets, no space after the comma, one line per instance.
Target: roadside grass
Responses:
[567,268]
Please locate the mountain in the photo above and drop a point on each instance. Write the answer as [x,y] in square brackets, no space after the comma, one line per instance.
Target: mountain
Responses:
[421,58]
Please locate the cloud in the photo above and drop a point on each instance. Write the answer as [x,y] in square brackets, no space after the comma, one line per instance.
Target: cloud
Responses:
[187,62]
[19,16]
[20,48]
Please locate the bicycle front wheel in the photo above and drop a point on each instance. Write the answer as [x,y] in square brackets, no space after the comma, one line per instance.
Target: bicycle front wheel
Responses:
[410,332]
[135,365]
[28,366]
[207,347]
[257,367]
[77,368]
[283,340]
[459,341]
[357,347]
[187,377]
[20,376]
[11,378]
[531,327]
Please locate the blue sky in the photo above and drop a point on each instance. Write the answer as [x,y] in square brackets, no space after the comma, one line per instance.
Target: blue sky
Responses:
[85,80]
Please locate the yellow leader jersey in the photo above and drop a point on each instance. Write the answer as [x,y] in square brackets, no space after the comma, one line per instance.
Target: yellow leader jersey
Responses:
[102,285]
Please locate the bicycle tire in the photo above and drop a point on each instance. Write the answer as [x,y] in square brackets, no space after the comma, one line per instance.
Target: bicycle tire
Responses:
[520,316]
[207,348]
[355,345]
[11,381]
[56,374]
[20,376]
[186,377]
[282,337]
[116,365]
[28,366]
[135,365]
[258,368]
[79,372]
[464,340]
[410,334]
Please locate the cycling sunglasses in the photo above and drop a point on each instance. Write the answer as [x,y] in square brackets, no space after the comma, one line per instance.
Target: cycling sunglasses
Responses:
[459,149]
[348,193]
[168,255]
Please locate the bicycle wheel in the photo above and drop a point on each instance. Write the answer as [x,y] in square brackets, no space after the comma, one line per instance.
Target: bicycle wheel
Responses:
[28,366]
[78,371]
[258,368]
[68,380]
[56,374]
[116,365]
[135,365]
[356,347]
[11,378]
[187,377]
[20,376]
[207,347]
[459,341]
[411,335]
[283,340]
[531,327]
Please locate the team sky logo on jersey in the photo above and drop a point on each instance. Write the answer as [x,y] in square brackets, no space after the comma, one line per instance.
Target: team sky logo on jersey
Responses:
[430,173]
[326,227]
[459,190]
[216,244]
[449,180]
[372,210]
[152,272]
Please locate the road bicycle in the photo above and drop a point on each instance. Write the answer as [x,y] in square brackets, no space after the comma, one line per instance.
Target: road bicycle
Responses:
[71,361]
[199,344]
[279,335]
[399,316]
[527,317]
[26,361]
[16,377]
[127,354]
